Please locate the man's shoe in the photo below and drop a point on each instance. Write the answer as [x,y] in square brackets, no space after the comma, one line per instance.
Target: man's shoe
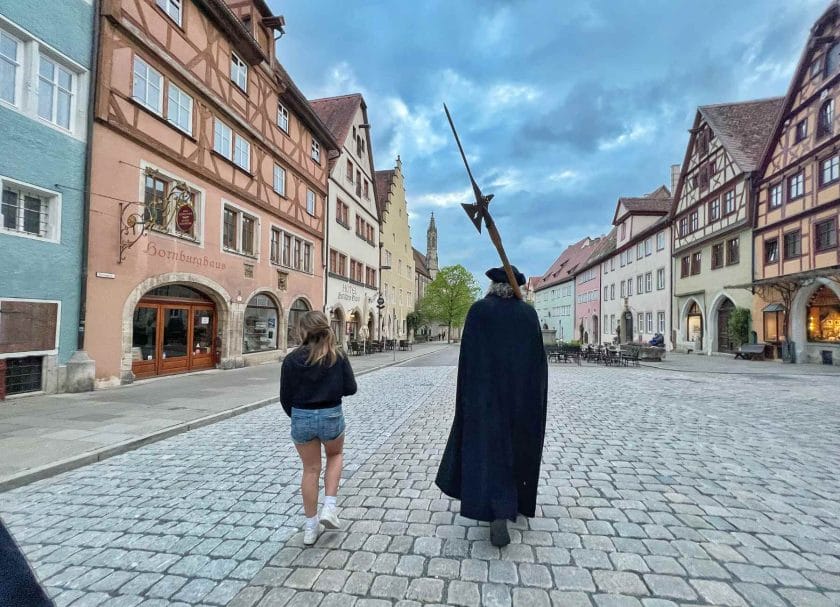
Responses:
[329,518]
[499,535]
[310,534]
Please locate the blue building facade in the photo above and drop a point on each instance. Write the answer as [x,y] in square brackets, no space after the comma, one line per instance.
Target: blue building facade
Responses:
[45,74]
[555,306]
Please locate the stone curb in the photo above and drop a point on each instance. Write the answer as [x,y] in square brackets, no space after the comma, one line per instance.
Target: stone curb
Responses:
[54,468]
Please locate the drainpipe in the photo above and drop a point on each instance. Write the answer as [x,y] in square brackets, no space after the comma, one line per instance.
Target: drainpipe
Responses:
[94,71]
[326,248]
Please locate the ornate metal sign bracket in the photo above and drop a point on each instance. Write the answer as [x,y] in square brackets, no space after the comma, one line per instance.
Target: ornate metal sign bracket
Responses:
[160,210]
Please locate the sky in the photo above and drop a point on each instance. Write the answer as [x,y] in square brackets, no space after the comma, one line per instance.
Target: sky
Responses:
[562,107]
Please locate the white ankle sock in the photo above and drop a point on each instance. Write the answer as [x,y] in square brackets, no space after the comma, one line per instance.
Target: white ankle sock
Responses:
[329,501]
[312,523]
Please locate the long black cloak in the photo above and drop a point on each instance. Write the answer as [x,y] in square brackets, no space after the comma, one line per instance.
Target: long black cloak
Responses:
[492,459]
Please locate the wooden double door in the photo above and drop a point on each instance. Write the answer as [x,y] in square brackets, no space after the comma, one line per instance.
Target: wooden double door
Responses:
[173,336]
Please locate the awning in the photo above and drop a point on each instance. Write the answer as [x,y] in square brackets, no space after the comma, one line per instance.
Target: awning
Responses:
[774,307]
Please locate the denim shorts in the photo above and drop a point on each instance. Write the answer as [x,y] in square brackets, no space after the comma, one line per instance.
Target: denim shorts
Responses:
[322,424]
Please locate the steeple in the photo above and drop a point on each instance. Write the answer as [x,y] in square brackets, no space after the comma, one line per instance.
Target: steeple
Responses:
[431,248]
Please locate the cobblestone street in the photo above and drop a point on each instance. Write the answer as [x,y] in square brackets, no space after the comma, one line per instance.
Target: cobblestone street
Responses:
[658,488]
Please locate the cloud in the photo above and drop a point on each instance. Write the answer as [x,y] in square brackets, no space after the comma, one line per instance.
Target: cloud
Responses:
[443,199]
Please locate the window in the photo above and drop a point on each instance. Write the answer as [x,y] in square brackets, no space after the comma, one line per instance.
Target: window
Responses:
[612,264]
[729,202]
[171,8]
[622,257]
[694,221]
[640,251]
[367,190]
[179,108]
[826,235]
[629,287]
[623,290]
[342,213]
[147,86]
[775,196]
[830,170]
[825,120]
[239,232]
[832,59]
[771,250]
[640,323]
[823,320]
[612,291]
[733,254]
[349,174]
[685,265]
[9,62]
[242,153]
[27,212]
[606,325]
[260,325]
[660,241]
[286,259]
[55,92]
[283,118]
[649,321]
[623,230]
[683,226]
[279,180]
[648,282]
[315,151]
[310,202]
[801,131]
[222,139]
[239,72]
[155,193]
[660,322]
[696,260]
[606,293]
[359,185]
[796,186]
[717,255]
[640,284]
[793,244]
[714,210]
[276,247]
[660,279]
[648,247]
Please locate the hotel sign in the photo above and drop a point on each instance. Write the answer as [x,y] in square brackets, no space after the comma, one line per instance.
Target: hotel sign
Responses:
[349,293]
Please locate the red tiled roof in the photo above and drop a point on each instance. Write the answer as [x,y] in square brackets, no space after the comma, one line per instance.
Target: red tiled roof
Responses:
[382,187]
[338,113]
[743,128]
[420,263]
[564,266]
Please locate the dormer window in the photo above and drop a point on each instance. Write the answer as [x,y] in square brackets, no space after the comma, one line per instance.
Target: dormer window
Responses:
[825,122]
[239,72]
[832,60]
[703,141]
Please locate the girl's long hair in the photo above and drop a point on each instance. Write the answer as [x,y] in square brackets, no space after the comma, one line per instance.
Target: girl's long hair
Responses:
[317,335]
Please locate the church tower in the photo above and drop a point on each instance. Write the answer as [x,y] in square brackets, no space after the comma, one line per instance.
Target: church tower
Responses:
[431,248]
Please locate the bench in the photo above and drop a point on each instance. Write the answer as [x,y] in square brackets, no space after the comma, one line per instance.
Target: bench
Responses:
[750,352]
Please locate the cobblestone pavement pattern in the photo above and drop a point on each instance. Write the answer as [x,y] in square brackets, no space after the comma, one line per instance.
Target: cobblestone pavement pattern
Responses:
[658,489]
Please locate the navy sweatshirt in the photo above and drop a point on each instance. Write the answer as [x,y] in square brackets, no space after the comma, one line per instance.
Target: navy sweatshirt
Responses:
[314,386]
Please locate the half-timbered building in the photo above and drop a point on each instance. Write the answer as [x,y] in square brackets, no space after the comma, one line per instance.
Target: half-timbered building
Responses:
[636,277]
[712,223]
[352,229]
[797,259]
[208,185]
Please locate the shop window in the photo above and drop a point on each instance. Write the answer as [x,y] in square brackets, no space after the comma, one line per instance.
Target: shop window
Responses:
[774,318]
[260,328]
[824,316]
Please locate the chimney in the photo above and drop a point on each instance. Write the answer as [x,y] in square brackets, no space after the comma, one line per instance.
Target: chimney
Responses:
[675,177]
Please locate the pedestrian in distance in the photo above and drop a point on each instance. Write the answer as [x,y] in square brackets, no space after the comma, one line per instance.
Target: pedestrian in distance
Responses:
[492,458]
[313,380]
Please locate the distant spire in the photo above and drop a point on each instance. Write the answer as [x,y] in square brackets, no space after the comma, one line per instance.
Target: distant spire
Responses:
[431,248]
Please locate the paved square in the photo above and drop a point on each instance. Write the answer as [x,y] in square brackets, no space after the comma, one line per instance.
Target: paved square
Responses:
[658,488]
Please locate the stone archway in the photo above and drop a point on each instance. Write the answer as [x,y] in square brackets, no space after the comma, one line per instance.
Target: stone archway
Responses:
[337,320]
[229,348]
[717,329]
[300,306]
[799,315]
[693,324]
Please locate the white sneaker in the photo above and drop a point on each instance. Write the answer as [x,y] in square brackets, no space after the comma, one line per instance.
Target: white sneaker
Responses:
[310,534]
[329,518]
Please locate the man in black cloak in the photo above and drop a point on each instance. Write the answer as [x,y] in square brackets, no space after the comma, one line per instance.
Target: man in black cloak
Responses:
[18,585]
[492,458]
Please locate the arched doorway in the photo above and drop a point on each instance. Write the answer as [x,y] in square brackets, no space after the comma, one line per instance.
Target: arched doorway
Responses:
[299,307]
[724,341]
[694,325]
[173,331]
[595,327]
[260,325]
[353,324]
[337,324]
[627,327]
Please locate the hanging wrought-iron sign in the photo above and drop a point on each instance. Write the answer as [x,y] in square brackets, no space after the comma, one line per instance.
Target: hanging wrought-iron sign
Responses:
[185,218]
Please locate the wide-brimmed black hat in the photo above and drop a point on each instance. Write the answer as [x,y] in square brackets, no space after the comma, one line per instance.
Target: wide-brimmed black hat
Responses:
[498,275]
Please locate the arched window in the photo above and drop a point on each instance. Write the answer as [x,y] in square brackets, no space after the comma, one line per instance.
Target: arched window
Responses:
[832,59]
[825,123]
[260,330]
[824,316]
[298,309]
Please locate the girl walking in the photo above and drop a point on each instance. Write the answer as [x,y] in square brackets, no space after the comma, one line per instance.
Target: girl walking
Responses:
[313,379]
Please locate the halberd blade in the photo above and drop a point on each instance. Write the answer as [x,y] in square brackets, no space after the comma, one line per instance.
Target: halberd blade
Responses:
[474,213]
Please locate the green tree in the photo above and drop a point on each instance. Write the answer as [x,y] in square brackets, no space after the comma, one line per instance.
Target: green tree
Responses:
[449,297]
[739,325]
